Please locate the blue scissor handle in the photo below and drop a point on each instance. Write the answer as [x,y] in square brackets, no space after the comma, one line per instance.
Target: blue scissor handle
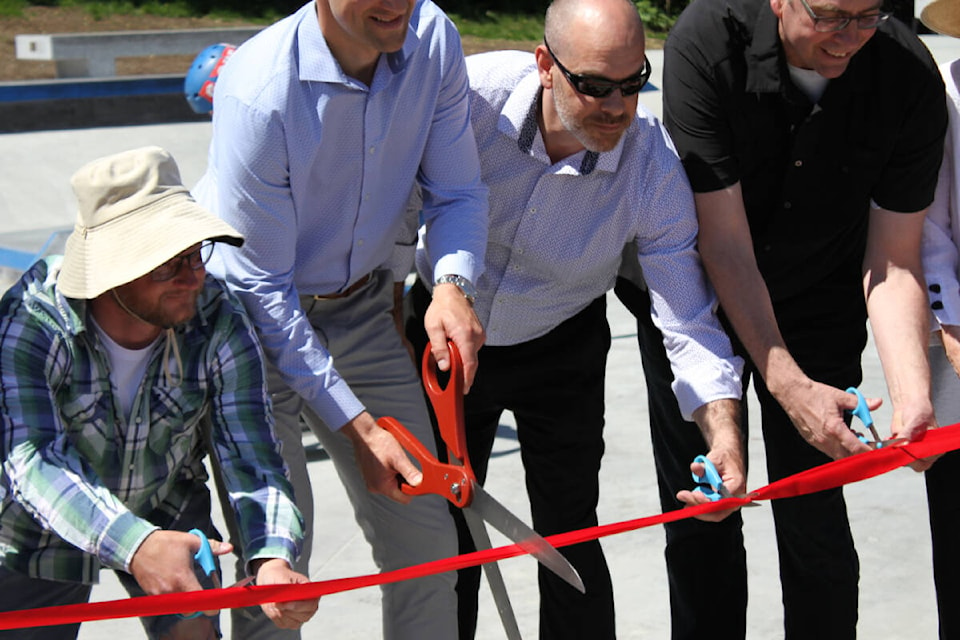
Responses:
[205,558]
[205,555]
[710,477]
[861,412]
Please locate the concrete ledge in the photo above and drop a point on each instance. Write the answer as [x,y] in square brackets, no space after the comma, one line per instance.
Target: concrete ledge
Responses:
[80,55]
[79,104]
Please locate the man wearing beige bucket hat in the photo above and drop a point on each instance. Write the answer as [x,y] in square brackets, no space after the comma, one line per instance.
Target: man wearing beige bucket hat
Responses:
[121,366]
[941,266]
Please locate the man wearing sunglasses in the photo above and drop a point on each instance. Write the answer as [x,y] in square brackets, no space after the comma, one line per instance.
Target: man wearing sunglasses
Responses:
[577,172]
[123,365]
[812,132]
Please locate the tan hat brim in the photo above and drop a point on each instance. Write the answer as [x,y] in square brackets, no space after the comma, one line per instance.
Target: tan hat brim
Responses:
[128,247]
[942,16]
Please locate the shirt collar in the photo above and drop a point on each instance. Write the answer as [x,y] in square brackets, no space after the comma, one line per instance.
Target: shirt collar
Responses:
[519,122]
[767,74]
[317,63]
[764,53]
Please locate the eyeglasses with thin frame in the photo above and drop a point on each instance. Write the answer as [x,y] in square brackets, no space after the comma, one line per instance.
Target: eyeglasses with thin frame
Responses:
[826,24]
[195,260]
[599,87]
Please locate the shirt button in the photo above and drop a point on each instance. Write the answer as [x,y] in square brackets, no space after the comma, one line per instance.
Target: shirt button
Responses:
[360,242]
[787,205]
[767,247]
[131,467]
[372,149]
[798,163]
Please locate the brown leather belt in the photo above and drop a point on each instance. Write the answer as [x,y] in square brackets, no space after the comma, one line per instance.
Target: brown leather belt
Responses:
[346,292]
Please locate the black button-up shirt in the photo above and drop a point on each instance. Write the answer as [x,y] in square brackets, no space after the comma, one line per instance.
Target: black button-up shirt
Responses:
[808,171]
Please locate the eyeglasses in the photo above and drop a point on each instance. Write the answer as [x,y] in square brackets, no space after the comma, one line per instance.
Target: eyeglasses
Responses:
[194,260]
[598,87]
[824,24]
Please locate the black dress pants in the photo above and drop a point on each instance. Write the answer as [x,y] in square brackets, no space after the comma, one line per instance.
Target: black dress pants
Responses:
[554,385]
[706,562]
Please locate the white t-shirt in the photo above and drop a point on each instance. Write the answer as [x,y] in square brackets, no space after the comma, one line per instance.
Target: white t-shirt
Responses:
[127,368]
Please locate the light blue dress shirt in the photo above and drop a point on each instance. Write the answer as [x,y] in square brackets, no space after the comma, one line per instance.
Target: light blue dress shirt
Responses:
[557,230]
[315,169]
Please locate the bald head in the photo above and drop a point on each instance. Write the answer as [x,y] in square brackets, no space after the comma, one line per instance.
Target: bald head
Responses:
[593,25]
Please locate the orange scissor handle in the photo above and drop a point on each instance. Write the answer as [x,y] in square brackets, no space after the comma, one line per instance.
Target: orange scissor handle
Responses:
[449,481]
[448,403]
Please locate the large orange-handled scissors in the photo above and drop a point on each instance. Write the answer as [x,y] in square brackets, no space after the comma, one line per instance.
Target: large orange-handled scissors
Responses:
[456,482]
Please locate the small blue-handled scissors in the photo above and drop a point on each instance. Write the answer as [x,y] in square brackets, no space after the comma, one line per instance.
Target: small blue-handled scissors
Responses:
[204,558]
[863,413]
[711,484]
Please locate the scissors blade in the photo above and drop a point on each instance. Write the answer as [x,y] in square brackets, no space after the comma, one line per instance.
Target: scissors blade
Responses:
[725,493]
[522,535]
[242,583]
[891,442]
[498,588]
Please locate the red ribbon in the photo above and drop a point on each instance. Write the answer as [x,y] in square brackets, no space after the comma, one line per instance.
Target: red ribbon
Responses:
[827,476]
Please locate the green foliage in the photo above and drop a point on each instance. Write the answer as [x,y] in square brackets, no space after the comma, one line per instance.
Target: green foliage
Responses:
[503,26]
[12,8]
[476,9]
[500,19]
[659,15]
[254,10]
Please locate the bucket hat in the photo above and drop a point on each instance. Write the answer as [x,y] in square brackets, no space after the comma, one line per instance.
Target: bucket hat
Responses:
[133,215]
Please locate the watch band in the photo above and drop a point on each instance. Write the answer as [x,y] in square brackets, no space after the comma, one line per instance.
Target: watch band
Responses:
[466,287]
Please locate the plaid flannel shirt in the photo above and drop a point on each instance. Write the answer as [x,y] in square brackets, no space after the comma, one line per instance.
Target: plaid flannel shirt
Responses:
[81,485]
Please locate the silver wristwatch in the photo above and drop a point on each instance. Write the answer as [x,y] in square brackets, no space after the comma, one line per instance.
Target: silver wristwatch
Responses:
[466,287]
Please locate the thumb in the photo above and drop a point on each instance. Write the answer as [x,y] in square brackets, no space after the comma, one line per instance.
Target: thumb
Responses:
[220,548]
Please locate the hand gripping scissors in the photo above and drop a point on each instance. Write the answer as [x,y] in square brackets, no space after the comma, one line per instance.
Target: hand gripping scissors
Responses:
[457,483]
[204,558]
[711,484]
[863,413]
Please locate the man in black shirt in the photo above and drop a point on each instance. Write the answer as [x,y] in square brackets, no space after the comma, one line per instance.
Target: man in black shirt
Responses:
[812,133]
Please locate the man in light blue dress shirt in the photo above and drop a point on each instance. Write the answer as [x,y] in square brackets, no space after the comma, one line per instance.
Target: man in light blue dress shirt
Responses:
[576,172]
[323,122]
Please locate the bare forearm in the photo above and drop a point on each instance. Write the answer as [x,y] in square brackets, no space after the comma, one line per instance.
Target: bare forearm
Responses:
[719,422]
[727,251]
[897,307]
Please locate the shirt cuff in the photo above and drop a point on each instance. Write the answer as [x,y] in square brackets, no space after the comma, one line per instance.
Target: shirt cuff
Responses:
[276,547]
[944,304]
[696,386]
[121,540]
[461,263]
[338,405]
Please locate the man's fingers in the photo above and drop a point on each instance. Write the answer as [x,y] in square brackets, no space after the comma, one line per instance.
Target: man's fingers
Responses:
[470,365]
[438,347]
[693,498]
[220,548]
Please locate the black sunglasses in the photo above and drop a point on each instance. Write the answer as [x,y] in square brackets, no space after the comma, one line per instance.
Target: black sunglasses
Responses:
[194,260]
[598,87]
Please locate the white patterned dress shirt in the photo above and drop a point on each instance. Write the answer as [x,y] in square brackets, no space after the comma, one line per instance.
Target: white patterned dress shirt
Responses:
[557,230]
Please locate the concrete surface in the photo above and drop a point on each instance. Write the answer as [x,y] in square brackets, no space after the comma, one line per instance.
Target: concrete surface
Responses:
[888,513]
